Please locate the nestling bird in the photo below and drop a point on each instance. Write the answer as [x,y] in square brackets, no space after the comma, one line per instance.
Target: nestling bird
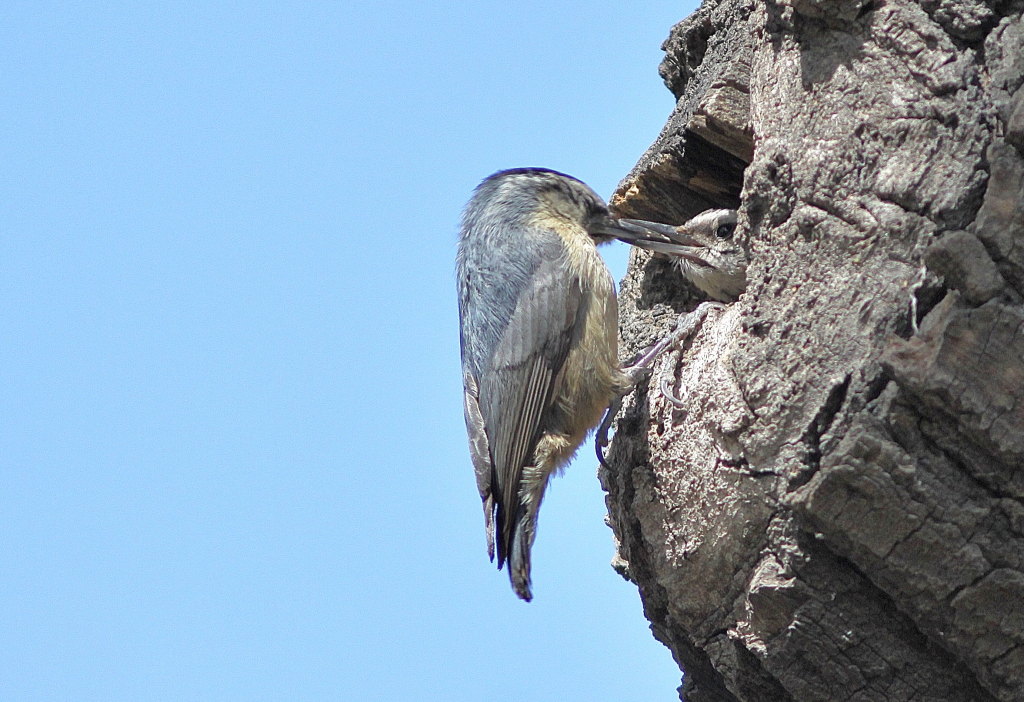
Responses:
[538,320]
[704,250]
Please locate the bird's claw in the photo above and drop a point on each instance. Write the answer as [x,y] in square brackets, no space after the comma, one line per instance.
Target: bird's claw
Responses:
[601,437]
[667,394]
[636,373]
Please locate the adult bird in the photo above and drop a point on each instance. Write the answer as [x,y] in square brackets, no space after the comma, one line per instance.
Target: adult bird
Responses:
[539,327]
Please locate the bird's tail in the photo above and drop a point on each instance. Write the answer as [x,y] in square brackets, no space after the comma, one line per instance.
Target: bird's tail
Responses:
[516,533]
[519,556]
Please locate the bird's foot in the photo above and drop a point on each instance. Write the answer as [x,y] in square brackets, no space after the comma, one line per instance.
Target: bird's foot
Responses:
[666,392]
[643,367]
[685,326]
[689,321]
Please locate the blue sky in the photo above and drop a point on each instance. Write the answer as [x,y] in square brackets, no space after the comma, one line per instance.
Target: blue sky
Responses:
[232,454]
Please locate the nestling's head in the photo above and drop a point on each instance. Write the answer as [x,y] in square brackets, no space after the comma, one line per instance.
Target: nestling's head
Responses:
[705,249]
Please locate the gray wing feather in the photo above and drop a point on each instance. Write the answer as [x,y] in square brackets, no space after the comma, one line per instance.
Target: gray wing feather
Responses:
[517,388]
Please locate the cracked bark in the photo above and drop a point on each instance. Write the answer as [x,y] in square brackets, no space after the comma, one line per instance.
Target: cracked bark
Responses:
[837,512]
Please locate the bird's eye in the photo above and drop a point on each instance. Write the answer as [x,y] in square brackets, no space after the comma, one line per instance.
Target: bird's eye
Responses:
[725,231]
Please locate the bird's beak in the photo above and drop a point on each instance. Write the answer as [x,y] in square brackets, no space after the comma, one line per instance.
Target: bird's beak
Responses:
[663,238]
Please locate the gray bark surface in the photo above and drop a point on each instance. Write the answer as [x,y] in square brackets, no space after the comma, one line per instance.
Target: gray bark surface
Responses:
[837,510]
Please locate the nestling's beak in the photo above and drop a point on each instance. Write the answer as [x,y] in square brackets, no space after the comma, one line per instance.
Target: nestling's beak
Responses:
[663,238]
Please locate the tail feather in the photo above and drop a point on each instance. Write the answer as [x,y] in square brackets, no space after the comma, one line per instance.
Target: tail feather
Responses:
[515,535]
[504,530]
[519,559]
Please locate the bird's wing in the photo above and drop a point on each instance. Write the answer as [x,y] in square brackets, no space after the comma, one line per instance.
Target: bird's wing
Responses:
[517,386]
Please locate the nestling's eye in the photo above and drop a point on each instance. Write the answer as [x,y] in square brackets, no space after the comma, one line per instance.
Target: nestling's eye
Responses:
[725,231]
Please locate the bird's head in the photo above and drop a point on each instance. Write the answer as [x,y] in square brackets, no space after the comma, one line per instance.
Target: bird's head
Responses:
[549,199]
[705,249]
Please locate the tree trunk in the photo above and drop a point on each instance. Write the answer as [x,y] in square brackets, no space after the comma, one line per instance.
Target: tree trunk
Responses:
[836,512]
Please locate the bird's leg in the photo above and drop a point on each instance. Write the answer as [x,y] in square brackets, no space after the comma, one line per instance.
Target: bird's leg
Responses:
[642,367]
[636,371]
[685,326]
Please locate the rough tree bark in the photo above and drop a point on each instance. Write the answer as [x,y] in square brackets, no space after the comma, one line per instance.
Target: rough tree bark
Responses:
[837,512]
